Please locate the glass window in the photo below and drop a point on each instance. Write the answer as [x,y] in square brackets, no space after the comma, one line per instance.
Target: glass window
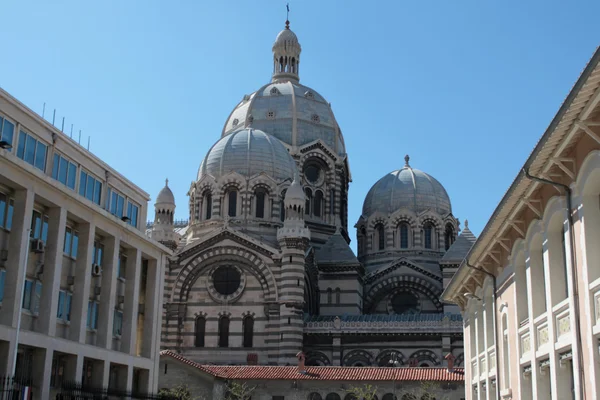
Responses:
[92,315]
[91,188]
[74,244]
[224,332]
[380,237]
[404,236]
[208,205]
[132,213]
[37,296]
[260,204]
[32,151]
[82,183]
[72,175]
[55,163]
[9,214]
[62,170]
[199,331]
[8,129]
[97,256]
[71,242]
[67,246]
[116,203]
[2,279]
[318,203]
[3,204]
[122,266]
[31,296]
[64,305]
[97,192]
[36,225]
[232,203]
[118,323]
[428,233]
[27,294]
[248,331]
[44,235]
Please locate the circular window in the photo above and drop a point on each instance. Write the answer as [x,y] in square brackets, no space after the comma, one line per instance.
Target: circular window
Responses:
[226,280]
[312,173]
[405,303]
[315,118]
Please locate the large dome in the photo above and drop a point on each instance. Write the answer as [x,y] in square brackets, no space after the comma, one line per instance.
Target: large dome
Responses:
[248,152]
[407,188]
[293,113]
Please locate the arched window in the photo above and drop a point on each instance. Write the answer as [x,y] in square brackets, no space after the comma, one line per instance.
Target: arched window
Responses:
[363,241]
[448,236]
[329,296]
[389,396]
[333,396]
[207,205]
[314,396]
[200,328]
[380,236]
[338,295]
[404,236]
[282,206]
[428,236]
[224,331]
[308,201]
[318,204]
[260,203]
[232,203]
[350,396]
[248,330]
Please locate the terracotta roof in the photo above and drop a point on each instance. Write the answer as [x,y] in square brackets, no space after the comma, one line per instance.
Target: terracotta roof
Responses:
[257,372]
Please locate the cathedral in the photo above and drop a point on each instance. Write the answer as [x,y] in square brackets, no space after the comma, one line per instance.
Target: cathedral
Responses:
[263,269]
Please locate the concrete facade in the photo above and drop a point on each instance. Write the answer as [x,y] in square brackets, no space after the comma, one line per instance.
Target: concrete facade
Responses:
[537,335]
[81,284]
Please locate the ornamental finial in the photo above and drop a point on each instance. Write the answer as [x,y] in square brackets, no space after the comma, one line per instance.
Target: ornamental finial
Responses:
[407,159]
[466,224]
[167,182]
[287,16]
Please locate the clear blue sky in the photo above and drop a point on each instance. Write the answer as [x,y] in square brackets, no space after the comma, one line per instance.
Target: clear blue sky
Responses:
[465,87]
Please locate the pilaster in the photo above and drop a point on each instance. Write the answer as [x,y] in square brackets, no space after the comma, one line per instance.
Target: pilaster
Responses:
[83,278]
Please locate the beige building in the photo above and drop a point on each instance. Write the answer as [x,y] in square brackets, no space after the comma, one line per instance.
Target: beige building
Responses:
[80,283]
[529,288]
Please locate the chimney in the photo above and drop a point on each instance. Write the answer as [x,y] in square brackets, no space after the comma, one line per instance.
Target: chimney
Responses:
[301,359]
[450,359]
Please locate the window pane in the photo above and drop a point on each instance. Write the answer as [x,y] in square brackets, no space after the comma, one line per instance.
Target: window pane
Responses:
[67,246]
[97,192]
[9,214]
[21,147]
[113,203]
[62,171]
[44,236]
[27,295]
[36,225]
[37,296]
[61,304]
[260,205]
[30,149]
[100,255]
[82,182]
[232,203]
[40,156]
[74,244]
[8,131]
[2,208]
[68,307]
[72,176]
[55,162]
[89,190]
[120,205]
[95,314]
[117,323]
[2,276]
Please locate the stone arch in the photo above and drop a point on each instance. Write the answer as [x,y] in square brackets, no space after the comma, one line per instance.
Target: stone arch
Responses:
[203,261]
[317,358]
[357,358]
[385,286]
[382,359]
[425,356]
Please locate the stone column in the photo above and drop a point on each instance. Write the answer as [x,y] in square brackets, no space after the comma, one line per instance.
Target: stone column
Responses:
[152,308]
[57,221]
[132,295]
[42,369]
[83,278]
[108,293]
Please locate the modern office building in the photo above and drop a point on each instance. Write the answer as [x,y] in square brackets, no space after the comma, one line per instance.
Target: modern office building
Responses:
[80,282]
[529,287]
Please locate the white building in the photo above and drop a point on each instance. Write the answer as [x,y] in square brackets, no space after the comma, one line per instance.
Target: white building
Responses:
[80,283]
[529,288]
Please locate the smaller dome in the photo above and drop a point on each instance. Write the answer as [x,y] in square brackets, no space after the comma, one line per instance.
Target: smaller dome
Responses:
[284,36]
[248,152]
[165,195]
[407,188]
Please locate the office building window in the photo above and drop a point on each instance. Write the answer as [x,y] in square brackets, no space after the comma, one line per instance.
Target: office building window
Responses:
[39,226]
[63,312]
[64,171]
[118,323]
[31,295]
[90,187]
[132,213]
[71,242]
[92,315]
[32,151]
[7,130]
[98,253]
[6,207]
[122,266]
[115,203]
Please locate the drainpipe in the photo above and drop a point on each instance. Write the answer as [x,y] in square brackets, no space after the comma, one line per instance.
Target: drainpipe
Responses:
[495,323]
[568,194]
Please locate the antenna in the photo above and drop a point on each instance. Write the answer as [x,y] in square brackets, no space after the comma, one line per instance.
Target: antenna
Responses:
[62,129]
[89,137]
[79,141]
[53,117]
[44,110]
[71,131]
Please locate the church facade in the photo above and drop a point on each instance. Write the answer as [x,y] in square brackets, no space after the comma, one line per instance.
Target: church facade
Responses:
[263,269]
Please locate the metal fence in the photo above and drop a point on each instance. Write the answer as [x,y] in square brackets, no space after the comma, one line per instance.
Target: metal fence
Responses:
[76,391]
[15,388]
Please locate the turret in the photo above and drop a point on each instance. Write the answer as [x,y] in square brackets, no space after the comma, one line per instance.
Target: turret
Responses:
[286,55]
[164,211]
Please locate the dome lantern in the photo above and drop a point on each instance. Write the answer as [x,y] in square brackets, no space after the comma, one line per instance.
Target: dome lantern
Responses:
[286,55]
